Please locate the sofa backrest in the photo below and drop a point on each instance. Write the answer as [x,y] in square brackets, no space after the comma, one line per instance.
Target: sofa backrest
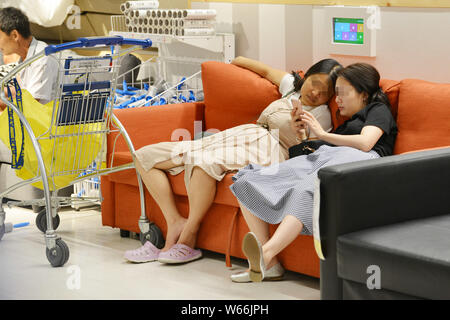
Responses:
[423,118]
[234,95]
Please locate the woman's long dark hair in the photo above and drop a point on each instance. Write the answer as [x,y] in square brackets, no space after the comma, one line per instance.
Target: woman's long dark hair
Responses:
[325,66]
[365,78]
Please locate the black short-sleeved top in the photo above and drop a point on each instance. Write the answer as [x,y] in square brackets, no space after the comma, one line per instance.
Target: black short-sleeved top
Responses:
[374,114]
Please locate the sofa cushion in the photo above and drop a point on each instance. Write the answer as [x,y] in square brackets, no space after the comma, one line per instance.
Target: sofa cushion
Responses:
[223,194]
[155,124]
[413,256]
[392,90]
[128,177]
[423,115]
[234,95]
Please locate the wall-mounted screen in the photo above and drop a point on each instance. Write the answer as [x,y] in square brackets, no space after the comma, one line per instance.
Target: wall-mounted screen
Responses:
[348,30]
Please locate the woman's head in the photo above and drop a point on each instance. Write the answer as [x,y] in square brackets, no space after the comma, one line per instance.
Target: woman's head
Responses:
[317,87]
[356,86]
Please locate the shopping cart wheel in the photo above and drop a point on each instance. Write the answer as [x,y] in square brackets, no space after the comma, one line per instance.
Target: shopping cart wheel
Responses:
[41,221]
[154,235]
[58,255]
[2,231]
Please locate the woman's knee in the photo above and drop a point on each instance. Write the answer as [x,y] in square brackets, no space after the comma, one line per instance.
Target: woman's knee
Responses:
[167,164]
[139,166]
[200,174]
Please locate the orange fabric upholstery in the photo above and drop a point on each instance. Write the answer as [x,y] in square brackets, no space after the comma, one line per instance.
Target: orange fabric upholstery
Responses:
[423,115]
[391,88]
[108,205]
[235,96]
[427,149]
[230,237]
[151,124]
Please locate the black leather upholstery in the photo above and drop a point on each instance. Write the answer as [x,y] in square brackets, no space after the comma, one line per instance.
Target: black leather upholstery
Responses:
[374,193]
[413,257]
[357,291]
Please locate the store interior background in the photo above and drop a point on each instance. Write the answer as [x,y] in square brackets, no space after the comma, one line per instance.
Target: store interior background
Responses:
[412,42]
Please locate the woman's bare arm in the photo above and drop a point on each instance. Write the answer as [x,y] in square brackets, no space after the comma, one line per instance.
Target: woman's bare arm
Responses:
[271,74]
[364,141]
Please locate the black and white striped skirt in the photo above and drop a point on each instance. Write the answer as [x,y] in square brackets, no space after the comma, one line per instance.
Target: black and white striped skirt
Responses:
[287,188]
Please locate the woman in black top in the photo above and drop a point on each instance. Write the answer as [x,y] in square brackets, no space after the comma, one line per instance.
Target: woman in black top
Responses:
[283,193]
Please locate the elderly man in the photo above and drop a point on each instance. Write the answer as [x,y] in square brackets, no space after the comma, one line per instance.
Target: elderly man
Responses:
[39,78]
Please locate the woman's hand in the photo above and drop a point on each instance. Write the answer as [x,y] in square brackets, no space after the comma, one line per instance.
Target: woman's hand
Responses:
[297,125]
[312,123]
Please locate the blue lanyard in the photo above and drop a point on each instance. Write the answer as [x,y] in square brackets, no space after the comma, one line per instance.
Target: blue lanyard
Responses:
[16,163]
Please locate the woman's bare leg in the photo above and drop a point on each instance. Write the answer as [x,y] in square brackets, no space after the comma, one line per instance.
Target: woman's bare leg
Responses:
[289,228]
[259,227]
[201,193]
[160,189]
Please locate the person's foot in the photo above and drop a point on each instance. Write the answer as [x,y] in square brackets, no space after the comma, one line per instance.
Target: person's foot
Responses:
[253,251]
[271,263]
[187,237]
[147,253]
[179,253]
[174,231]
[274,273]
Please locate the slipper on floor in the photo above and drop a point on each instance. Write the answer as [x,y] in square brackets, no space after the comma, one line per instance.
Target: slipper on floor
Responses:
[147,253]
[253,251]
[273,274]
[179,253]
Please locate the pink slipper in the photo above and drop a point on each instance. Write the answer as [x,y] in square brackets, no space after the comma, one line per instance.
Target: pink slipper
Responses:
[179,253]
[147,253]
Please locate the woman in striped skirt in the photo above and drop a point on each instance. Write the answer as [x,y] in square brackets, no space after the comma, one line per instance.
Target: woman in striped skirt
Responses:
[283,193]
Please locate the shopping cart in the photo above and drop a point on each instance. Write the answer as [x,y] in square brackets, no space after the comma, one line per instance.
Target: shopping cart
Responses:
[87,192]
[79,120]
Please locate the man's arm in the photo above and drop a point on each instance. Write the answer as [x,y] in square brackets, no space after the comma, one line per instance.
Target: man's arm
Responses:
[40,79]
[2,104]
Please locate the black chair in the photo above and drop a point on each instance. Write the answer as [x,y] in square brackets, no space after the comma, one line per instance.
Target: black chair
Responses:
[389,216]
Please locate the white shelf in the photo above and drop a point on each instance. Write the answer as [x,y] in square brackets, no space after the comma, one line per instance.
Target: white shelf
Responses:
[216,43]
[179,57]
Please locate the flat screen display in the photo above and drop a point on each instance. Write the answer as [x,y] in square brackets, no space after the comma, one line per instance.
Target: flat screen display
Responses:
[348,30]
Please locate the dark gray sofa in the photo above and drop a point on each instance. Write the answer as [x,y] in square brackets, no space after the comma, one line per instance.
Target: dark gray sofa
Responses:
[393,214]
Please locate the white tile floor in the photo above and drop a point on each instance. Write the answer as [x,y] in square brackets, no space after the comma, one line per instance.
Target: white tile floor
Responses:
[96,268]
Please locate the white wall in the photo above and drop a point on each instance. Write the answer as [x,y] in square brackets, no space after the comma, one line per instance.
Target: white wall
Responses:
[261,31]
[412,42]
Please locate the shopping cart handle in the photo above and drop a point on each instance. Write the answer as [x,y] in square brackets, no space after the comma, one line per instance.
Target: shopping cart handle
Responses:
[93,41]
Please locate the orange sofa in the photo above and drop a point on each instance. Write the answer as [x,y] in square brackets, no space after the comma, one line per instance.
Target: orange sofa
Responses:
[235,96]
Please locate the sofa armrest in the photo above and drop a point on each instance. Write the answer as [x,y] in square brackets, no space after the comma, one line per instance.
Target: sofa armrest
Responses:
[367,194]
[155,124]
